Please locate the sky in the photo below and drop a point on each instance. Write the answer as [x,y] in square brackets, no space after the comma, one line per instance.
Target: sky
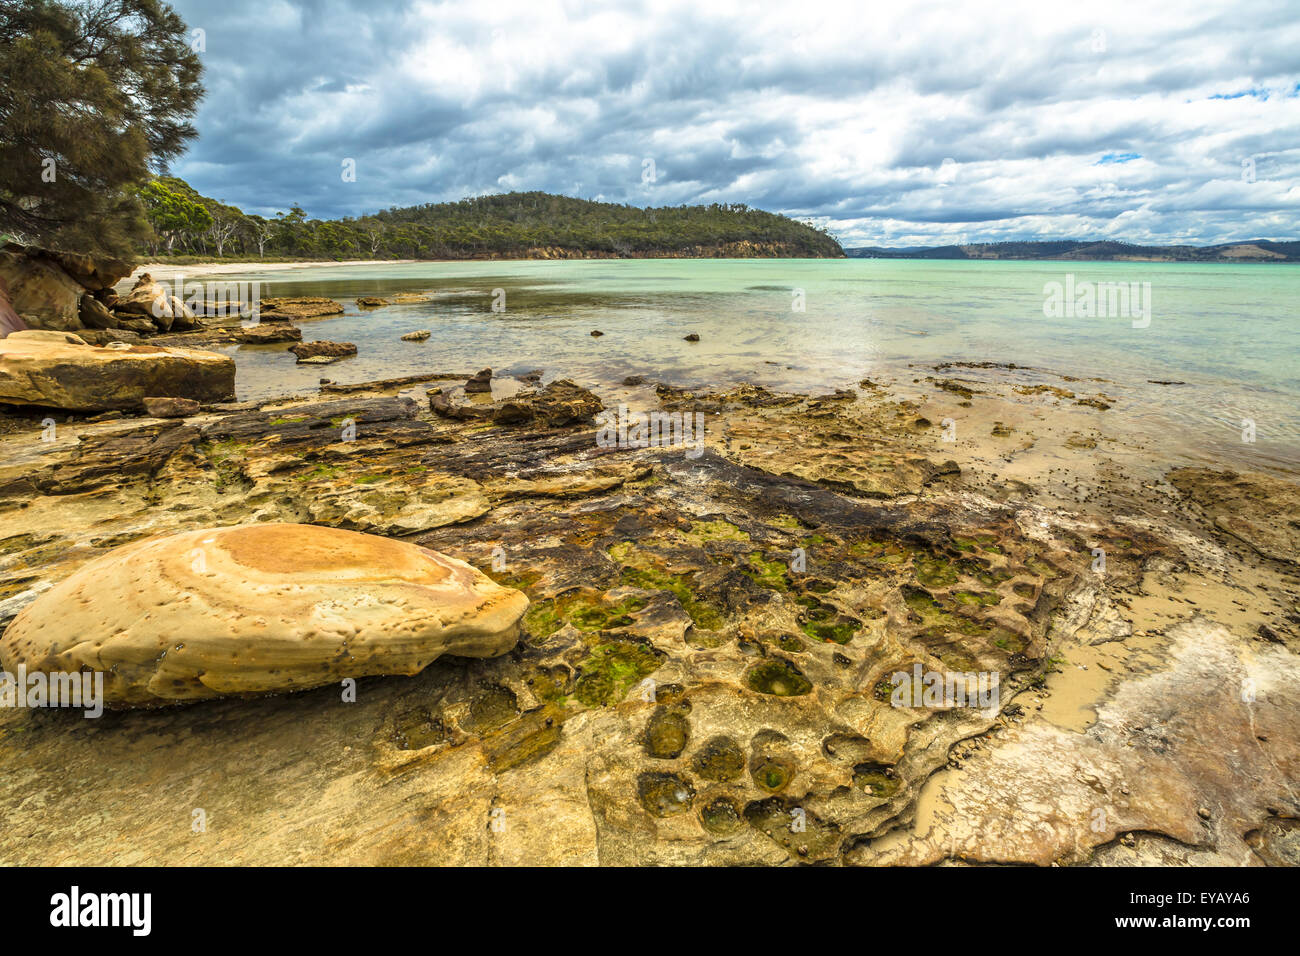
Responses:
[891,124]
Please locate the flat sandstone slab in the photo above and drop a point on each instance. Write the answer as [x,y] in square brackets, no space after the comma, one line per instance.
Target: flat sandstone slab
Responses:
[62,374]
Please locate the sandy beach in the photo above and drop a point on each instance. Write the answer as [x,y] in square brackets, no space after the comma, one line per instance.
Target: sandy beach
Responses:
[166,271]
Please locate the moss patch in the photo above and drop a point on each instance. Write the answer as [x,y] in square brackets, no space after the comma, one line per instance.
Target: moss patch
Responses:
[613,668]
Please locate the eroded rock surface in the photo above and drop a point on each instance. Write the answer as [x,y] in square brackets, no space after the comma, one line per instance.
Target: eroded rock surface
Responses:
[1260,510]
[704,674]
[288,308]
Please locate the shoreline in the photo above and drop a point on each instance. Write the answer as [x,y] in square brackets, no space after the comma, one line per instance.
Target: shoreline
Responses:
[165,271]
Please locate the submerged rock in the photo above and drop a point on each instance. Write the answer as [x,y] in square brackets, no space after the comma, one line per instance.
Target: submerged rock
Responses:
[322,349]
[80,377]
[371,302]
[418,336]
[287,308]
[258,609]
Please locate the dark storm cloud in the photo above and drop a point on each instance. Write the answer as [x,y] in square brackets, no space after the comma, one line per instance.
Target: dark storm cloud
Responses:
[816,110]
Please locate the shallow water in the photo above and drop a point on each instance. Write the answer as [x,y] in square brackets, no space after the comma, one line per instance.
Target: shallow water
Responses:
[1230,332]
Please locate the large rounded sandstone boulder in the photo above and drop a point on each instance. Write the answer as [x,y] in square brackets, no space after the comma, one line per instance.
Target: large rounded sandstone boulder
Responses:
[259,609]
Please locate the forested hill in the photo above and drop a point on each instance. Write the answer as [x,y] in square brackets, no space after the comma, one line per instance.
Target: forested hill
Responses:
[514,225]
[1251,250]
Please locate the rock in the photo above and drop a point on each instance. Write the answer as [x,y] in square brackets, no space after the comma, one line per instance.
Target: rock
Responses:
[560,403]
[634,380]
[596,333]
[322,349]
[159,407]
[287,308]
[91,273]
[692,337]
[684,579]
[371,302]
[46,335]
[40,291]
[95,315]
[268,335]
[480,383]
[1270,635]
[9,320]
[136,324]
[155,301]
[271,334]
[389,384]
[260,609]
[81,377]
[109,336]
[418,336]
[1256,508]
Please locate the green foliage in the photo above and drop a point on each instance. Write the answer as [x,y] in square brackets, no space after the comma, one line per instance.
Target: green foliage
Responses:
[511,225]
[174,210]
[92,95]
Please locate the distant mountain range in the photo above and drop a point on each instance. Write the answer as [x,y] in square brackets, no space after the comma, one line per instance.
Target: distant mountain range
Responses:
[1252,250]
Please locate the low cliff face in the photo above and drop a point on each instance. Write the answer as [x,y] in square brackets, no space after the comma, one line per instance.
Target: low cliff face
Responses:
[45,289]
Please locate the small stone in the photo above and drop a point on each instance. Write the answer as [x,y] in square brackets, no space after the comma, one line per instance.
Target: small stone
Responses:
[1203,813]
[692,337]
[417,336]
[596,333]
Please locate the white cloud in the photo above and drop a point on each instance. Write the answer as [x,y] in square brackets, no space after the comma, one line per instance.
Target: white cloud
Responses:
[827,110]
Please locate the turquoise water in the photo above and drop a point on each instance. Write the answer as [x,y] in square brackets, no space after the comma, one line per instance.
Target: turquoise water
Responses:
[1230,332]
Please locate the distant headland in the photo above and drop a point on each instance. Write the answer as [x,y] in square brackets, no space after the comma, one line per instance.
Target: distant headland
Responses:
[1253,250]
